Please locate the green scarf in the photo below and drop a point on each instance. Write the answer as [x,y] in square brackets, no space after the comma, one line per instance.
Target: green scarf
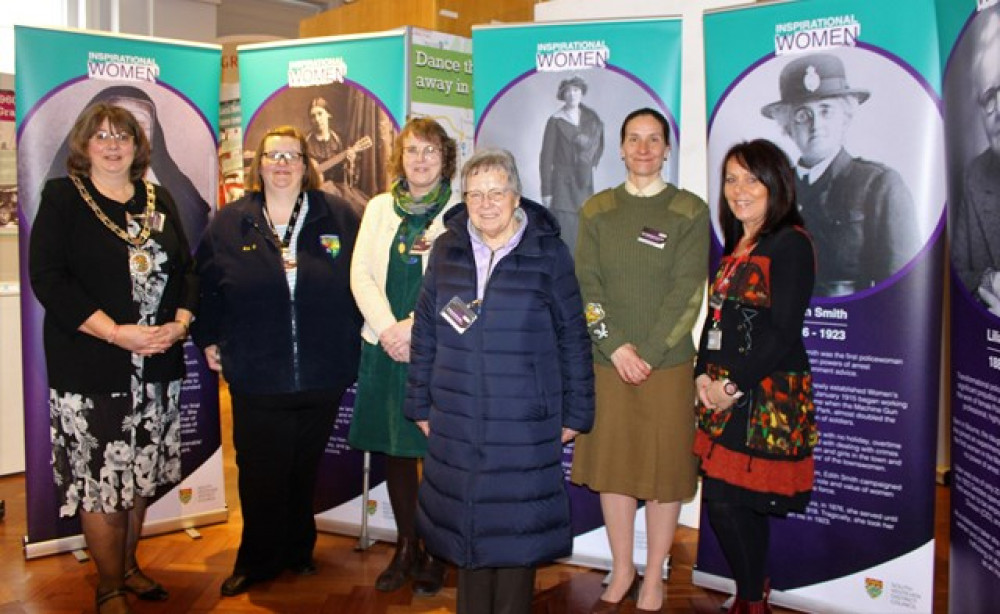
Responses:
[417,214]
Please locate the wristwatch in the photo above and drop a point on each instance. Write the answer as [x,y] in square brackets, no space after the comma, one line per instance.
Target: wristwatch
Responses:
[730,388]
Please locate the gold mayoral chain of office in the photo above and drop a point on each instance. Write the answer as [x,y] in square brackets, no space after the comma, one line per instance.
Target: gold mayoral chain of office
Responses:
[138,261]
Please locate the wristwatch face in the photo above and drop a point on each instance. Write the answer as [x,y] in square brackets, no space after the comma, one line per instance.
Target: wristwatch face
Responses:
[730,389]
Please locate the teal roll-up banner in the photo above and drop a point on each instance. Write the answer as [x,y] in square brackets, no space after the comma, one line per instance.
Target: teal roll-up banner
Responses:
[173,90]
[970,54]
[521,85]
[851,91]
[358,85]
[343,93]
[522,98]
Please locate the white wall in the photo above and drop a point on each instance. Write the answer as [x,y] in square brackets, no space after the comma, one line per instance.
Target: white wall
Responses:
[191,20]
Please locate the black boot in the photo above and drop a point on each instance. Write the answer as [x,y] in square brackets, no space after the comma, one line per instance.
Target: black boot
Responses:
[429,576]
[401,568]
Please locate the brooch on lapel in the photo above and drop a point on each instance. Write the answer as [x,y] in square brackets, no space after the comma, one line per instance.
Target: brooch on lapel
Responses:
[331,243]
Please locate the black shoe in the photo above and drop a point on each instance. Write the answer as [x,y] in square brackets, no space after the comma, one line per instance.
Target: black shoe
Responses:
[101,598]
[429,577]
[154,591]
[401,568]
[236,584]
[303,569]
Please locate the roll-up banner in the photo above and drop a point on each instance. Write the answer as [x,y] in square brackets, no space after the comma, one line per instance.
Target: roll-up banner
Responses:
[850,89]
[355,93]
[970,50]
[522,72]
[173,89]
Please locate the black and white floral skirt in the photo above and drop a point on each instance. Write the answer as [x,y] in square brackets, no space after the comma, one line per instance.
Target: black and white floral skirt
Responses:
[108,449]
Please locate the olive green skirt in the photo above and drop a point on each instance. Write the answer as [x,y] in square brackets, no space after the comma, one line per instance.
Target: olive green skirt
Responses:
[642,437]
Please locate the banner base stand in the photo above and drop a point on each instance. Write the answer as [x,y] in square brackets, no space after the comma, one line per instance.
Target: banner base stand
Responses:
[784,599]
[604,564]
[76,542]
[352,529]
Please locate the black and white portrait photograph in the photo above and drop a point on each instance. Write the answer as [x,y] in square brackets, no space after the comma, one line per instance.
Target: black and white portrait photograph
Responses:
[565,125]
[846,119]
[183,151]
[972,116]
[342,124]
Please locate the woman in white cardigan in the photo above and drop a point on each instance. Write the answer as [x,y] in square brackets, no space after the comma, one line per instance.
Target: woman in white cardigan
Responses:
[393,247]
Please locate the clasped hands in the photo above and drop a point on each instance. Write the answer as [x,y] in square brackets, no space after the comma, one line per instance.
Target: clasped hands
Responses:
[395,340]
[149,340]
[989,290]
[712,393]
[630,366]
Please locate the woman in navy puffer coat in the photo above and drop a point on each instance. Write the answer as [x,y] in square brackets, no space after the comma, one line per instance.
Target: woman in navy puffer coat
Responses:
[500,377]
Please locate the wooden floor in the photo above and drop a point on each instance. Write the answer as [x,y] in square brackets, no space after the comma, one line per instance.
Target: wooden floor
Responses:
[193,570]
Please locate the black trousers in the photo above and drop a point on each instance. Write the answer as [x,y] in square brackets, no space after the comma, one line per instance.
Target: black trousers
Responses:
[496,590]
[279,440]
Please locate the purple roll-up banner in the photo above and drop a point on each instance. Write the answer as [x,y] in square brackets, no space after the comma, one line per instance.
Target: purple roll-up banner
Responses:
[60,73]
[519,69]
[866,541]
[970,52]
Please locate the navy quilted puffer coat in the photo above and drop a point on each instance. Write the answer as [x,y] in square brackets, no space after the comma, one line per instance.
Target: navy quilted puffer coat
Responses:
[498,396]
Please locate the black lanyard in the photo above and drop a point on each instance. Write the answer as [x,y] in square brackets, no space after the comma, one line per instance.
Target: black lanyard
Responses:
[296,210]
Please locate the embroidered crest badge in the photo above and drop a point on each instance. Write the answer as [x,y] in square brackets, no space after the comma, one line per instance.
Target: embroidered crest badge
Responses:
[873,587]
[594,313]
[331,243]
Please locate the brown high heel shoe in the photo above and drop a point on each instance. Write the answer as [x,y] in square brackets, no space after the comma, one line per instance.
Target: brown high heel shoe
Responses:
[611,607]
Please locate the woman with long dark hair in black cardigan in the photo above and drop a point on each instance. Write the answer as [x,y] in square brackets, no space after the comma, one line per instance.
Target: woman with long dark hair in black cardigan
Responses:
[756,420]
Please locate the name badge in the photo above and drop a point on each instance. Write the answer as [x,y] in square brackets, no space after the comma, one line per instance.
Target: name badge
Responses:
[288,259]
[459,315]
[653,237]
[714,341]
[155,219]
[420,246]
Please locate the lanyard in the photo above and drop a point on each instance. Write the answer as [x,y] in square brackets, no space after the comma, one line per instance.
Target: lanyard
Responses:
[283,244]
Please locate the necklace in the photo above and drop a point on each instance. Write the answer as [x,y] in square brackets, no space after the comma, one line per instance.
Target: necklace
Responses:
[139,261]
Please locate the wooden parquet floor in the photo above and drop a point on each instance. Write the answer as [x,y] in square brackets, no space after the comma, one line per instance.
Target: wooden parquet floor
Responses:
[193,569]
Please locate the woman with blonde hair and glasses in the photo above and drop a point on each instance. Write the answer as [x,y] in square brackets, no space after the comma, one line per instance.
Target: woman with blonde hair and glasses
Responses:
[394,244]
[279,322]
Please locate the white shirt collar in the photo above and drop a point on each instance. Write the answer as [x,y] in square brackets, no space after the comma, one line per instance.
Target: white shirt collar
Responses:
[812,174]
[654,188]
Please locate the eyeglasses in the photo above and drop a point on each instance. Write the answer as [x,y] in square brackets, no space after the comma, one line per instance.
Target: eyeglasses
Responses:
[807,115]
[477,198]
[988,100]
[287,156]
[428,151]
[104,137]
